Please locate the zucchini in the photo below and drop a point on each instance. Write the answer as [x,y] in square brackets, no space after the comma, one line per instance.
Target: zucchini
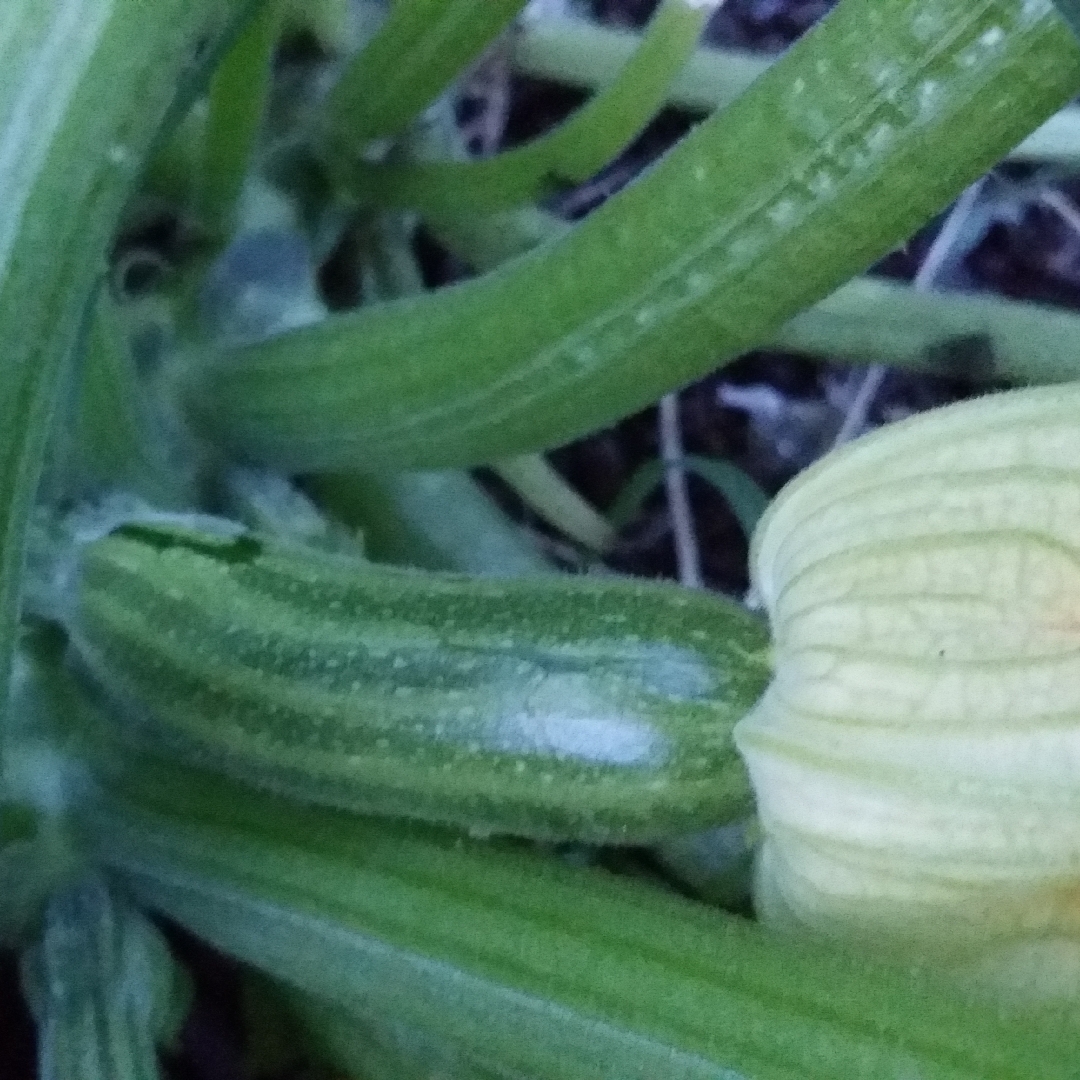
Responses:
[597,709]
[532,967]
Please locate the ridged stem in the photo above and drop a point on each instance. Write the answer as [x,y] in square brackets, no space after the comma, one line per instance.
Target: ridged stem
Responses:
[86,86]
[704,256]
[531,965]
[583,54]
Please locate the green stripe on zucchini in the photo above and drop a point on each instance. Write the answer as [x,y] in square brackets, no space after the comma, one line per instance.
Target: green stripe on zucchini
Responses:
[588,708]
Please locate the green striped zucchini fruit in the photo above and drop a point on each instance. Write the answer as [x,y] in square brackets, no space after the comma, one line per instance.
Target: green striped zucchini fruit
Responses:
[597,709]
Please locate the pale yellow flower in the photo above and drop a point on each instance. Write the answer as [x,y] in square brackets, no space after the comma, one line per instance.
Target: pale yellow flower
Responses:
[917,756]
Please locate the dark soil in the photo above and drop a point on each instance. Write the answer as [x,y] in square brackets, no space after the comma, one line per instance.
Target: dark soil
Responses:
[16,1027]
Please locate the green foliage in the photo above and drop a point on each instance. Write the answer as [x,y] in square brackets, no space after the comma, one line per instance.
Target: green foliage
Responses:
[422,45]
[479,689]
[746,499]
[236,100]
[506,958]
[98,78]
[570,154]
[703,257]
[1070,12]
[102,986]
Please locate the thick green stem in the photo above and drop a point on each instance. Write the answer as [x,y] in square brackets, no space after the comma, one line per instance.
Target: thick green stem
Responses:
[420,48]
[236,102]
[86,86]
[982,338]
[589,56]
[567,155]
[530,965]
[705,256]
[438,519]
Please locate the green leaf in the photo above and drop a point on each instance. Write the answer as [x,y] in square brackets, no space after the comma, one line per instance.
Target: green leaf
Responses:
[570,154]
[746,499]
[833,156]
[84,90]
[420,48]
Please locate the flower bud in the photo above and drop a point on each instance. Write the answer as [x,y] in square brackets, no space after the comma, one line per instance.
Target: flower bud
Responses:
[916,758]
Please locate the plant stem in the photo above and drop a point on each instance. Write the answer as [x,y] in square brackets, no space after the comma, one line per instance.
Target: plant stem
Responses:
[422,45]
[236,102]
[580,53]
[977,337]
[701,258]
[86,86]
[437,519]
[687,556]
[570,153]
[583,54]
[533,966]
[103,988]
[543,489]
